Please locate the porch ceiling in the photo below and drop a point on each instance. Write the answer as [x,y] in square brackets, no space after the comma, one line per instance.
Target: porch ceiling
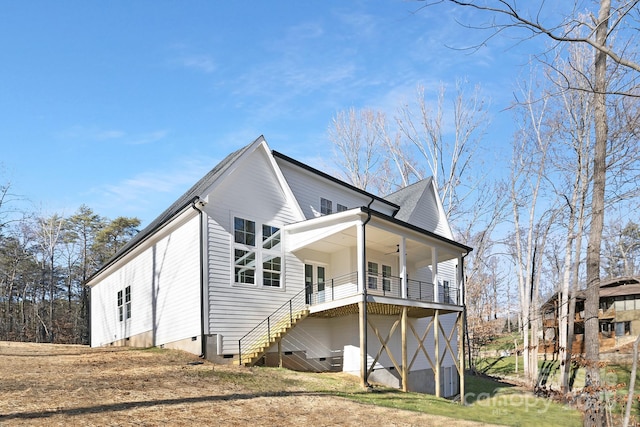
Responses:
[335,238]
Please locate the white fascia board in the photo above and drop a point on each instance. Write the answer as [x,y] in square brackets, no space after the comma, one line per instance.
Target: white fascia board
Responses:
[441,209]
[284,185]
[301,234]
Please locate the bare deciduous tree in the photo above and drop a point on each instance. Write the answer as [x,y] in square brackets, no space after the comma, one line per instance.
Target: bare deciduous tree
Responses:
[599,32]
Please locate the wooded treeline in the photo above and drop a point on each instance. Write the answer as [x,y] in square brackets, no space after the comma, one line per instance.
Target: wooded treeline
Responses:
[44,263]
[561,212]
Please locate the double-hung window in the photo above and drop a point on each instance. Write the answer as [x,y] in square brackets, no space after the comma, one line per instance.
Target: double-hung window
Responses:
[374,274]
[372,278]
[124,304]
[127,302]
[120,307]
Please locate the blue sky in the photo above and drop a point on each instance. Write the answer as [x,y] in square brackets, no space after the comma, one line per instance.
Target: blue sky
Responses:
[122,106]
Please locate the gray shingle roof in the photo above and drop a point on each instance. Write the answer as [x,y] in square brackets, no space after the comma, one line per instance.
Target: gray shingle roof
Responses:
[196,191]
[408,197]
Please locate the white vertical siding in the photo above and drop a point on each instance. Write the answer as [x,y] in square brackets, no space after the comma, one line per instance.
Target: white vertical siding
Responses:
[165,290]
[177,284]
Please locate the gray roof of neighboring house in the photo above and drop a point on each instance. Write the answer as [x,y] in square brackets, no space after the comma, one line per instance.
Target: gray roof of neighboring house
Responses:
[179,205]
[408,197]
[611,287]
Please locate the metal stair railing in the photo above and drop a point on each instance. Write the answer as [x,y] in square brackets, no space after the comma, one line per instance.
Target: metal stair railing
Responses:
[255,342]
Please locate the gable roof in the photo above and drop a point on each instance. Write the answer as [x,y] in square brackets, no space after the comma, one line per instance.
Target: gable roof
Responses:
[335,180]
[188,198]
[408,198]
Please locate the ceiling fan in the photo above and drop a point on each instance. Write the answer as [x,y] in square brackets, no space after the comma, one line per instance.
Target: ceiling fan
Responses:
[394,252]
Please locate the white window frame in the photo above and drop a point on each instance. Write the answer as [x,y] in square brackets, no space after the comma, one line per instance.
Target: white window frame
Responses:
[268,254]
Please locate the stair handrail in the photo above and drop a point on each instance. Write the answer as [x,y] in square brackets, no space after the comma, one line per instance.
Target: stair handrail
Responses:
[263,329]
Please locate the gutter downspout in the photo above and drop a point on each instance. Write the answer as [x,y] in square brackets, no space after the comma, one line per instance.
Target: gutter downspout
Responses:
[197,204]
[364,297]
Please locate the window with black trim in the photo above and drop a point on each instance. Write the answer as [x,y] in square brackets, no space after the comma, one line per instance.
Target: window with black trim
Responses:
[127,302]
[326,206]
[341,208]
[120,307]
[124,304]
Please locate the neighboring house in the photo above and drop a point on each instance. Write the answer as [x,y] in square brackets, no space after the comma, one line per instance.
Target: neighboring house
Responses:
[619,315]
[268,261]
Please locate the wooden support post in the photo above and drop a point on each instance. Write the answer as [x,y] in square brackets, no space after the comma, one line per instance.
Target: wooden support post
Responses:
[363,344]
[436,347]
[280,353]
[405,367]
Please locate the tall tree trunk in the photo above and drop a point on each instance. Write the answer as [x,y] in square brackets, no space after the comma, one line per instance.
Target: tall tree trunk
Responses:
[594,415]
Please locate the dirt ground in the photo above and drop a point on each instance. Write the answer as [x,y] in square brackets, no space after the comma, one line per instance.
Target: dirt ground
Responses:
[46,384]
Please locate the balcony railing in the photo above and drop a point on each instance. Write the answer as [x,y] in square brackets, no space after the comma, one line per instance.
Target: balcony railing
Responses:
[379,284]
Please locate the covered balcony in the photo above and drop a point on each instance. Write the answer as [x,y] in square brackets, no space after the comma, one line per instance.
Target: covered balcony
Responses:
[362,252]
[359,263]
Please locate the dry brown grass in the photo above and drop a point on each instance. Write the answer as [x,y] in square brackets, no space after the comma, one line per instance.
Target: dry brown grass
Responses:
[46,384]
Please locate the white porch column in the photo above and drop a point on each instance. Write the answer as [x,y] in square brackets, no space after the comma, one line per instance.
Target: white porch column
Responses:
[460,278]
[403,267]
[360,256]
[434,270]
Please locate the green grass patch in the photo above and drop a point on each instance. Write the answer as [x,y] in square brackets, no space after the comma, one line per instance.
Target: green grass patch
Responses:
[614,377]
[487,401]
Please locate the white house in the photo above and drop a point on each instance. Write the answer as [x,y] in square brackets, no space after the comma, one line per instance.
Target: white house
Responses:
[266,260]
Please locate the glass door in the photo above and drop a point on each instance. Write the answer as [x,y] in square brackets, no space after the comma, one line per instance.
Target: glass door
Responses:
[314,282]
